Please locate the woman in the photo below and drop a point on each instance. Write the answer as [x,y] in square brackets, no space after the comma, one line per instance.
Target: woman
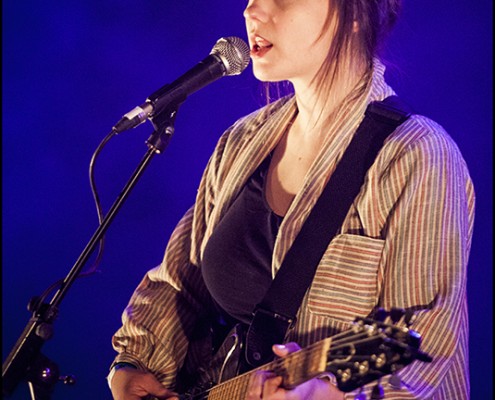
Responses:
[409,229]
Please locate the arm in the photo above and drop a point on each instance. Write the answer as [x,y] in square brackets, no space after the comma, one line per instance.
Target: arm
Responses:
[162,313]
[163,310]
[427,242]
[159,321]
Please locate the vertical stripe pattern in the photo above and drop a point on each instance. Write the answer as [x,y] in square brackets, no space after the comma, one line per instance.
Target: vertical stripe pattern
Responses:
[404,243]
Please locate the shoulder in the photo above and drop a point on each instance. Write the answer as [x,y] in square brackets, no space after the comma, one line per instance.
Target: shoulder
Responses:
[244,129]
[419,154]
[253,121]
[421,137]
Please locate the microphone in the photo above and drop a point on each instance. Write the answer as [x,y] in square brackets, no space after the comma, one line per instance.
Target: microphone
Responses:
[229,56]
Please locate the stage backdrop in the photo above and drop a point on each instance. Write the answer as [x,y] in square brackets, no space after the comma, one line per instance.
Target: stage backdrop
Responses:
[72,69]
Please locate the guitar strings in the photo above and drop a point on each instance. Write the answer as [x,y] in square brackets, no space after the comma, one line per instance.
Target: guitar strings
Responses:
[338,342]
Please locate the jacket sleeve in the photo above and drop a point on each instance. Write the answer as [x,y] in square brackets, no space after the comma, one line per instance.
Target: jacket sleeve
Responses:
[160,318]
[427,242]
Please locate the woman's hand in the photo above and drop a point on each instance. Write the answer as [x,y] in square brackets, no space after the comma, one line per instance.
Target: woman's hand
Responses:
[266,385]
[133,384]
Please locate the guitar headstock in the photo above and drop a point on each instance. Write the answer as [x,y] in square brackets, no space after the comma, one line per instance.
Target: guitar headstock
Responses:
[373,348]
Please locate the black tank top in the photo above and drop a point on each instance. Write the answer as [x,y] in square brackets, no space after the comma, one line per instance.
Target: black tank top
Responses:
[236,263]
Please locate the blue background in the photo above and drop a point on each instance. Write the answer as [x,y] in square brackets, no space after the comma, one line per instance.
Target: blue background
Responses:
[72,69]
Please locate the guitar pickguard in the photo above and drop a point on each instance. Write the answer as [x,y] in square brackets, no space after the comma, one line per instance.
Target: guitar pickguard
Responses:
[227,363]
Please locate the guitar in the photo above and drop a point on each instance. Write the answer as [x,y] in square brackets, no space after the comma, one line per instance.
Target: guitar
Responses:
[368,351]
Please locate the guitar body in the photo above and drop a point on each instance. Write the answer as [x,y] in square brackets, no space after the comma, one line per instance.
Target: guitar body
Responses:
[227,363]
[365,353]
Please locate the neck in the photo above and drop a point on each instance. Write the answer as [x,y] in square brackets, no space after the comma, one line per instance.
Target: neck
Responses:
[316,106]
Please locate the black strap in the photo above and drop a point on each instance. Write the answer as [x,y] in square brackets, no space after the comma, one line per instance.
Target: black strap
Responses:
[277,311]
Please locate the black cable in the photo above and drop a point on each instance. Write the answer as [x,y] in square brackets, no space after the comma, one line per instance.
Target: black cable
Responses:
[38,300]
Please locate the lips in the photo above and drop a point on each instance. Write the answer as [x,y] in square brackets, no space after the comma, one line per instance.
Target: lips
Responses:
[260,46]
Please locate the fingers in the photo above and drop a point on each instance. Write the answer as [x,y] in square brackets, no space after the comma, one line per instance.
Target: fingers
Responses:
[262,384]
[159,391]
[271,386]
[255,386]
[132,384]
[283,350]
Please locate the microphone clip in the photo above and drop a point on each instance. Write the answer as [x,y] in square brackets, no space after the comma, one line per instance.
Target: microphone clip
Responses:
[164,124]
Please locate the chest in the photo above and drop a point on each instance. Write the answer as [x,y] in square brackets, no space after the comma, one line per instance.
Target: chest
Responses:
[290,163]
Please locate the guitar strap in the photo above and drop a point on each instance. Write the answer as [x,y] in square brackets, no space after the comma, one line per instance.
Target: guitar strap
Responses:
[277,311]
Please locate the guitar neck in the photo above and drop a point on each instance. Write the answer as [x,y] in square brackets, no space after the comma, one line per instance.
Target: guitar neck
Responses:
[370,350]
[295,369]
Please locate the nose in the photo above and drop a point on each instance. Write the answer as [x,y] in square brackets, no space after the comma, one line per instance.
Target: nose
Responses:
[255,11]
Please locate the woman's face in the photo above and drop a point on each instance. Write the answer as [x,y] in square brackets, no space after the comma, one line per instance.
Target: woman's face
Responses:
[287,38]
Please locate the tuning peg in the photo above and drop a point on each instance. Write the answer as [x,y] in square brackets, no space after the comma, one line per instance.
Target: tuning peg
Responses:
[396,314]
[377,393]
[414,339]
[395,381]
[380,314]
[410,317]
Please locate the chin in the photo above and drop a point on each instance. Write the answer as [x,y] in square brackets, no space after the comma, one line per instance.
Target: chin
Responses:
[265,74]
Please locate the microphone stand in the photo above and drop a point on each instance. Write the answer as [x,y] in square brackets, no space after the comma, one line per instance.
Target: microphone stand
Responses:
[25,361]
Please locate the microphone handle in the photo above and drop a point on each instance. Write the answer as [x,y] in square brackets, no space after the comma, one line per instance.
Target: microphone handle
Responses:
[205,72]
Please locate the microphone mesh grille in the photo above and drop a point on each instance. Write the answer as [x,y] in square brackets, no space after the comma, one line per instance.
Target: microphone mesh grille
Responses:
[234,53]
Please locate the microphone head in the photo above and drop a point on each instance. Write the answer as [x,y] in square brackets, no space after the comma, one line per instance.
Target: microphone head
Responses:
[234,53]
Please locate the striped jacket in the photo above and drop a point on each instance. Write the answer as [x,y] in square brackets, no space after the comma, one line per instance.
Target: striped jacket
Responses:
[404,243]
